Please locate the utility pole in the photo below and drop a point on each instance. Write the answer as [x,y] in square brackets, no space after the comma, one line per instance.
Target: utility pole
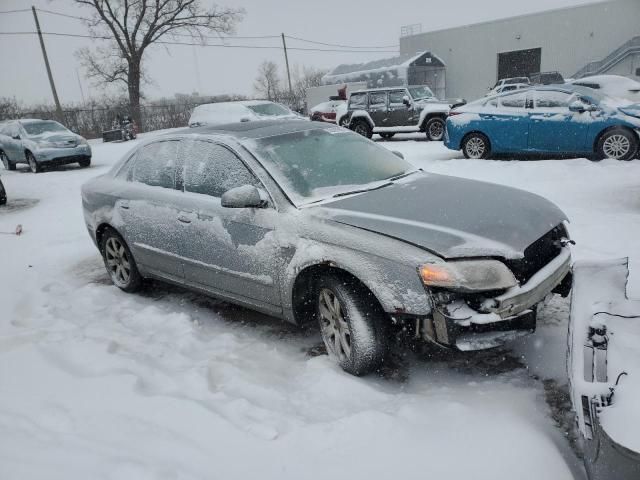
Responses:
[286,59]
[46,63]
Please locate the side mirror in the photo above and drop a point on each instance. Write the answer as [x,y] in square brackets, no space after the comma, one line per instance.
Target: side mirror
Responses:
[577,107]
[16,136]
[245,196]
[245,119]
[406,100]
[397,154]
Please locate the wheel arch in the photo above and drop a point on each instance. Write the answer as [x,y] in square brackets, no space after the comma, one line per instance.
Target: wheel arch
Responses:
[429,116]
[466,135]
[302,288]
[363,115]
[100,231]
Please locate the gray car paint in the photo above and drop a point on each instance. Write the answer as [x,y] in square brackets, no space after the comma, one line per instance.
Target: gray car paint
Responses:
[266,249]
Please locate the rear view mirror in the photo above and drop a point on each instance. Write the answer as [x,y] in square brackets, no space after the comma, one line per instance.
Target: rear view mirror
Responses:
[245,196]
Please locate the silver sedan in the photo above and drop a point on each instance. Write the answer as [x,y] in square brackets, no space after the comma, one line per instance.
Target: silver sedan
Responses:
[311,222]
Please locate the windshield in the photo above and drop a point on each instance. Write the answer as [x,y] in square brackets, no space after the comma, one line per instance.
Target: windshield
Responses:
[420,92]
[317,164]
[269,109]
[38,128]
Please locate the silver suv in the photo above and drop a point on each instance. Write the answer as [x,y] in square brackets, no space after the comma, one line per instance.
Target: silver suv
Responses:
[387,111]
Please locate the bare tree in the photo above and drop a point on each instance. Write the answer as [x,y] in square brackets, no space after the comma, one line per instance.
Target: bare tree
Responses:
[134,25]
[267,83]
[310,77]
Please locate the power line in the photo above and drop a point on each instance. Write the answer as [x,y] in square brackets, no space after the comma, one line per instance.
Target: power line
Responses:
[223,45]
[15,11]
[339,45]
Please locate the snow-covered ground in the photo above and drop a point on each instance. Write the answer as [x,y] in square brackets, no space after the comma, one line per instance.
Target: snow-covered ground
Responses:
[95,383]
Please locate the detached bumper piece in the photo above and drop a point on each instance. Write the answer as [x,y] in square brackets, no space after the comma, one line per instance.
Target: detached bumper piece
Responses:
[604,369]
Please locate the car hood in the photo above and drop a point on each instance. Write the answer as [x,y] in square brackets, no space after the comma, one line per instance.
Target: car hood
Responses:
[56,137]
[450,216]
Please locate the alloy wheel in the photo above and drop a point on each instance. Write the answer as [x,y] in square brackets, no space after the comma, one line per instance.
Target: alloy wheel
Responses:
[33,164]
[5,160]
[436,130]
[361,129]
[616,146]
[117,261]
[475,147]
[334,328]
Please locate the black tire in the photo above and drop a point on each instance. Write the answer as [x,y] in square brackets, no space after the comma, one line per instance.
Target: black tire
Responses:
[435,129]
[476,146]
[85,162]
[8,164]
[362,127]
[3,194]
[118,260]
[617,143]
[34,165]
[344,121]
[387,136]
[366,332]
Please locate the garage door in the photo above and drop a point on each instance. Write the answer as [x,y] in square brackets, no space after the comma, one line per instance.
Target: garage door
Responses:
[519,63]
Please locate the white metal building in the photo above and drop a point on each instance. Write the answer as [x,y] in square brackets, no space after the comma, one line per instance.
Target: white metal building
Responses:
[596,38]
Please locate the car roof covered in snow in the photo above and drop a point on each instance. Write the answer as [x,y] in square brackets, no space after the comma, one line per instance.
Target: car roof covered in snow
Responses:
[258,129]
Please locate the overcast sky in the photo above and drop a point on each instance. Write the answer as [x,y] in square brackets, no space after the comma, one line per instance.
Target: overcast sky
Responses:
[184,69]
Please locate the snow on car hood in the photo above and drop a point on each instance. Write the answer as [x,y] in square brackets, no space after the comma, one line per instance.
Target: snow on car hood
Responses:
[450,216]
[55,137]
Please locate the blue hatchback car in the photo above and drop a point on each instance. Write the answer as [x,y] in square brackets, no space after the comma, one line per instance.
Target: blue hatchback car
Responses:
[555,119]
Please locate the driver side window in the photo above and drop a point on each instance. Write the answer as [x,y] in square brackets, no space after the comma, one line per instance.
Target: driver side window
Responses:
[211,169]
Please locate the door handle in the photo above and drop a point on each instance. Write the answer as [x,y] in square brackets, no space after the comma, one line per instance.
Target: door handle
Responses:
[124,205]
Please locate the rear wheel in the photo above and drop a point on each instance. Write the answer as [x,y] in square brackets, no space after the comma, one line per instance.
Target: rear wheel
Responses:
[119,262]
[344,122]
[476,146]
[352,324]
[34,165]
[85,162]
[387,136]
[617,143]
[363,128]
[8,165]
[435,129]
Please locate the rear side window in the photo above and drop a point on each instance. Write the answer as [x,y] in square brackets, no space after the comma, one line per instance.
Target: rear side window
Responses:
[395,97]
[517,100]
[358,100]
[211,169]
[378,99]
[155,164]
[551,99]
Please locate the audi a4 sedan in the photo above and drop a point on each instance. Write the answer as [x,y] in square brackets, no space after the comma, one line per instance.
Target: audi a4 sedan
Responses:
[314,223]
[567,120]
[40,143]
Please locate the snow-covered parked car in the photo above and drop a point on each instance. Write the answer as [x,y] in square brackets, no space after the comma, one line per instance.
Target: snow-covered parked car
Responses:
[308,221]
[612,85]
[560,120]
[326,111]
[604,369]
[40,143]
[510,87]
[242,111]
[387,111]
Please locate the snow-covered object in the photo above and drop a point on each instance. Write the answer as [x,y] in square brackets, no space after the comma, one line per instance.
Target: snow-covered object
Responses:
[242,111]
[612,85]
[604,358]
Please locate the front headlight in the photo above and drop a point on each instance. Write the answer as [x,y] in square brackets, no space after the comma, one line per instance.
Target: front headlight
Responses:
[46,145]
[468,275]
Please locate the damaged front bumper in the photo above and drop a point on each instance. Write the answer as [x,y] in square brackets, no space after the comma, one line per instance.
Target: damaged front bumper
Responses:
[480,322]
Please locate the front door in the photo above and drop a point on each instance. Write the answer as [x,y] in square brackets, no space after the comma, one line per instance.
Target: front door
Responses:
[232,251]
[553,127]
[400,114]
[149,210]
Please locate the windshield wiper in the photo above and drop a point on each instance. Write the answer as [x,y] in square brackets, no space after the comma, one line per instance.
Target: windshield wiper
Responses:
[402,175]
[362,190]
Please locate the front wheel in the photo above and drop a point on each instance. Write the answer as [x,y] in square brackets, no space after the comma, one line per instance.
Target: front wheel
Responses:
[34,165]
[435,129]
[8,164]
[618,143]
[119,262]
[85,162]
[352,325]
[362,128]
[476,146]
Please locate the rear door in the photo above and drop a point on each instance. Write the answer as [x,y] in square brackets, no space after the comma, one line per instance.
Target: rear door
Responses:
[149,210]
[13,146]
[508,125]
[230,251]
[553,127]
[378,108]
